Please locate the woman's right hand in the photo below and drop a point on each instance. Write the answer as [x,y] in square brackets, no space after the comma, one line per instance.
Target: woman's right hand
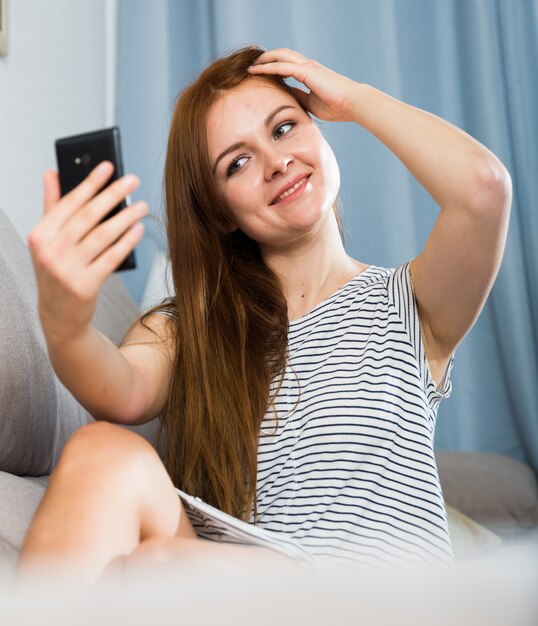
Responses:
[73,253]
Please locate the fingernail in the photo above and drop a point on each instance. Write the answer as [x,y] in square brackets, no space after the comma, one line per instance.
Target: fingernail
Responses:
[103,167]
[129,180]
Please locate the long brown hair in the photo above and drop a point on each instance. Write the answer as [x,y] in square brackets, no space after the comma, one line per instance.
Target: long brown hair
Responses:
[229,314]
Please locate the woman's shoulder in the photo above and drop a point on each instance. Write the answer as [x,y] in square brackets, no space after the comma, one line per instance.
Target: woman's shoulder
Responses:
[369,273]
[155,326]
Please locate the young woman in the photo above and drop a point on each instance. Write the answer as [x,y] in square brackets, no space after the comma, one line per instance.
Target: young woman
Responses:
[297,387]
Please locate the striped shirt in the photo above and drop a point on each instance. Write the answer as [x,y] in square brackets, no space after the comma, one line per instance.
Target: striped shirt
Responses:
[349,471]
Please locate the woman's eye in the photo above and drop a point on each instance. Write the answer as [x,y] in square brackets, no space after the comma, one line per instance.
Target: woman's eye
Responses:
[283,129]
[279,131]
[234,166]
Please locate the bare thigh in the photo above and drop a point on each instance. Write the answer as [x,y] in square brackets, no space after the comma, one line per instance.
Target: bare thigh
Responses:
[203,555]
[109,492]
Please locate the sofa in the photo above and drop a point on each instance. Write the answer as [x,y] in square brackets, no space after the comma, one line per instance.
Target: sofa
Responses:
[37,413]
[491,500]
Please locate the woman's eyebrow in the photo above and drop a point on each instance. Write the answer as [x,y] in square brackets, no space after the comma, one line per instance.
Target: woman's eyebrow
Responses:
[240,144]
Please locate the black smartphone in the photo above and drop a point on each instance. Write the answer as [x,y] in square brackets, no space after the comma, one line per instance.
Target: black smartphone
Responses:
[78,155]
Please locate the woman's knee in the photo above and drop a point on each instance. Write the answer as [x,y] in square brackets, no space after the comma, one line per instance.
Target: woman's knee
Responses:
[110,445]
[112,460]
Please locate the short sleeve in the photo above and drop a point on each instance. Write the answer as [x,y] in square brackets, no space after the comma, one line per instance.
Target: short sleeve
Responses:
[402,298]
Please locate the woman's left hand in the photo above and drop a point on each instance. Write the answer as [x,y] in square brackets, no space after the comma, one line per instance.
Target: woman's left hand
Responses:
[330,93]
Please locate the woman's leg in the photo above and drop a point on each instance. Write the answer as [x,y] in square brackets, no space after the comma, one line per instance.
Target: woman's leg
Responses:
[109,492]
[204,555]
[110,506]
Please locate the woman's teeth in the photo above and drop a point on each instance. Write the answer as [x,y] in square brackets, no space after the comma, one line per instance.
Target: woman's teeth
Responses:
[291,190]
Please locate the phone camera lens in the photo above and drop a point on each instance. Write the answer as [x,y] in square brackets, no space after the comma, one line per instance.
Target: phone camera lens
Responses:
[86,158]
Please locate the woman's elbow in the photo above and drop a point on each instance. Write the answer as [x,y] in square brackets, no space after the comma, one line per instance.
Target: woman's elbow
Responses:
[492,189]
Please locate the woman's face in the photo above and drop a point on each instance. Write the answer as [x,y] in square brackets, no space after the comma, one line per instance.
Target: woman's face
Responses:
[271,164]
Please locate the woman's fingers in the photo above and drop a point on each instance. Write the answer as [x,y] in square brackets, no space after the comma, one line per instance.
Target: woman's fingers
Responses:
[110,231]
[280,54]
[329,91]
[87,218]
[87,189]
[282,68]
[51,189]
[301,96]
[71,236]
[59,210]
[60,238]
[98,271]
[282,61]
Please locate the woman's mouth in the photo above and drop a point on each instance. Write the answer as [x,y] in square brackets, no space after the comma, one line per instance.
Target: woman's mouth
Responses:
[292,193]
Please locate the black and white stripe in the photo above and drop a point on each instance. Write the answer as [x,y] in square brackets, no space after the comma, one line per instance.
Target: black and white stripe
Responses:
[350,472]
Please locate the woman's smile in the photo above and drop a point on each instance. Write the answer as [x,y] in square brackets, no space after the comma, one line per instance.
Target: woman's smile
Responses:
[293,191]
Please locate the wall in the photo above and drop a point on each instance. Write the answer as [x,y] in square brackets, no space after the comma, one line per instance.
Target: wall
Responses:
[56,81]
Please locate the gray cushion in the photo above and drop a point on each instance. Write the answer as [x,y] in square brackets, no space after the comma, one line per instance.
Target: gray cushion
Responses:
[20,497]
[30,395]
[37,413]
[493,490]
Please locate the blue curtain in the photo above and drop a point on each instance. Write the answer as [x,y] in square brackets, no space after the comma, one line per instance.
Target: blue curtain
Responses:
[472,62]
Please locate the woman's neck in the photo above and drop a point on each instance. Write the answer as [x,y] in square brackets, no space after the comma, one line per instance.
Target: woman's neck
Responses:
[314,269]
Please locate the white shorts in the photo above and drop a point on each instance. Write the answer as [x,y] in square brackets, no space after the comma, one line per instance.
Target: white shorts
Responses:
[211,523]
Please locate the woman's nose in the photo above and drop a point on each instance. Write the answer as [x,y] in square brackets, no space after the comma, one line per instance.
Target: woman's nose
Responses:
[276,163]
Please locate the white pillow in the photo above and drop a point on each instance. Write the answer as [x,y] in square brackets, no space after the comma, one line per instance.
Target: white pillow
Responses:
[469,539]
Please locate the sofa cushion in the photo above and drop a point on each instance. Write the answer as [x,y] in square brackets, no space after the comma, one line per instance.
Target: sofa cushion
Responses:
[494,490]
[469,539]
[20,497]
[30,395]
[37,413]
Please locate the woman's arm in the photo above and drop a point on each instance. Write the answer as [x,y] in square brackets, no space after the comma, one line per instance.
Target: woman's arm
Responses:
[454,168]
[456,270]
[74,251]
[128,385]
